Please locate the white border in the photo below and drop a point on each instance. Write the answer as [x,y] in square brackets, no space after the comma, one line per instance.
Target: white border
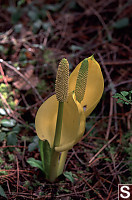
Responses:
[122,184]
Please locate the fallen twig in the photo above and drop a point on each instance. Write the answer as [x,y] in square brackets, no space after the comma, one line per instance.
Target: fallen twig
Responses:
[103,148]
[21,75]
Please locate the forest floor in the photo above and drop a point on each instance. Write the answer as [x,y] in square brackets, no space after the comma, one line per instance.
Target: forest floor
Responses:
[34,37]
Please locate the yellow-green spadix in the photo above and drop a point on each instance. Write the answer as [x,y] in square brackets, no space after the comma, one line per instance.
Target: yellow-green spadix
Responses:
[74,114]
[62,80]
[81,81]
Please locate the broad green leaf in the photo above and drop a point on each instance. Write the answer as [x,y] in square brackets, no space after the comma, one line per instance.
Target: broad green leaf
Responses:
[117,95]
[124,98]
[16,129]
[20,2]
[124,93]
[16,16]
[33,145]
[120,101]
[2,193]
[11,140]
[130,96]
[35,163]
[126,103]
[2,136]
[46,25]
[33,15]
[69,176]
[54,7]
[2,111]
[8,123]
[1,48]
[36,25]
[76,48]
[18,28]
[4,129]
[121,23]
[3,173]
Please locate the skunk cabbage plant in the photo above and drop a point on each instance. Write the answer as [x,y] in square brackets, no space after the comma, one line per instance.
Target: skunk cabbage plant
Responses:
[61,118]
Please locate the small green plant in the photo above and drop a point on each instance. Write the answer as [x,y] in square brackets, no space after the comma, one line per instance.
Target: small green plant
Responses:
[9,129]
[124,97]
[69,176]
[2,193]
[7,94]
[60,121]
[34,144]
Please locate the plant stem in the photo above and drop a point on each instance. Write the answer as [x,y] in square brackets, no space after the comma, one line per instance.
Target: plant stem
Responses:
[54,166]
[41,143]
[53,172]
[62,162]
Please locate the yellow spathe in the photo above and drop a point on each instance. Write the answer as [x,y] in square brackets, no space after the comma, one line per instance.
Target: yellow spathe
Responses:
[73,124]
[74,114]
[94,86]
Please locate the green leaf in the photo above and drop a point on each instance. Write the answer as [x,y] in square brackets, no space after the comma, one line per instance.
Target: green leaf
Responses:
[120,101]
[46,25]
[2,136]
[8,123]
[76,48]
[3,173]
[69,176]
[126,103]
[2,193]
[36,26]
[124,98]
[33,15]
[16,129]
[20,2]
[130,96]
[54,7]
[4,129]
[11,140]
[33,145]
[2,111]
[117,95]
[1,48]
[124,93]
[16,14]
[35,163]
[121,23]
[18,28]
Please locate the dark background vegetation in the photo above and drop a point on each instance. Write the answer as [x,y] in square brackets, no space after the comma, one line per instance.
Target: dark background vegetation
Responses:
[34,37]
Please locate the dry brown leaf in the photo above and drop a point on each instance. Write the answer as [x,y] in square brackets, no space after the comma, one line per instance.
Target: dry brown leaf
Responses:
[22,85]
